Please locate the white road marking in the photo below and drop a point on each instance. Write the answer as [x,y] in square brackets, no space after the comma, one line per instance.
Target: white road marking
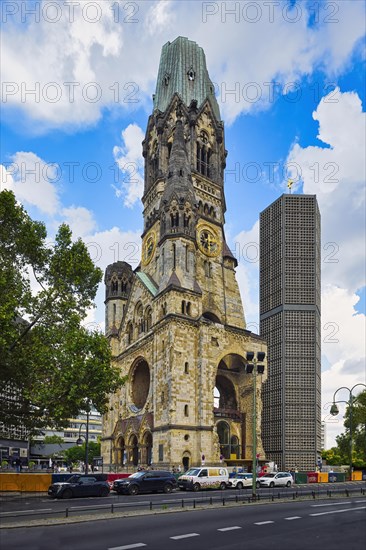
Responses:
[331,504]
[293,517]
[26,511]
[230,528]
[263,522]
[128,547]
[185,536]
[339,511]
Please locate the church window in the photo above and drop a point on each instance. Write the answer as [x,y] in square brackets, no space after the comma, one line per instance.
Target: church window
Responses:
[186,412]
[183,307]
[148,319]
[174,255]
[188,308]
[114,286]
[124,285]
[186,368]
[129,333]
[114,313]
[203,154]
[191,74]
[162,261]
[169,149]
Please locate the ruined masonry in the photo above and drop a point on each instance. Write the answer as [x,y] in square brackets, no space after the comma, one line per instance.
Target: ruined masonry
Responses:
[176,323]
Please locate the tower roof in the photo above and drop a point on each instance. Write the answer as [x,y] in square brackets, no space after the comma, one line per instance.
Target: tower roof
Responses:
[183,70]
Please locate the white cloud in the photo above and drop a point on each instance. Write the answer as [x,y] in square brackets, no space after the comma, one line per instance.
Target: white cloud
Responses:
[246,250]
[80,220]
[336,174]
[31,179]
[124,47]
[131,163]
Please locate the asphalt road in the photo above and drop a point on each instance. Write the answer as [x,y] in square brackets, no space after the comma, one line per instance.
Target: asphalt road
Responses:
[320,525]
[15,510]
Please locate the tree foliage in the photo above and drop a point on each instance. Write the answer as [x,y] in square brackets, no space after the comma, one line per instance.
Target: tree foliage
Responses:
[341,454]
[50,363]
[77,454]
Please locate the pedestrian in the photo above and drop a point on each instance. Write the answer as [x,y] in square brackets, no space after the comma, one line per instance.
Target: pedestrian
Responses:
[70,468]
[179,468]
[203,460]
[18,465]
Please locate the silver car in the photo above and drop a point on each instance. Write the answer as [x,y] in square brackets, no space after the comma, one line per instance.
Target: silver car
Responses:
[241,480]
[276,479]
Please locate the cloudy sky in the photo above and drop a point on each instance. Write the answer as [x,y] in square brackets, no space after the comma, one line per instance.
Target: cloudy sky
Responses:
[77,81]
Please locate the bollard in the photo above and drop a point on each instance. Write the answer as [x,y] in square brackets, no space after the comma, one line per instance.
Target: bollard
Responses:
[67,512]
[150,505]
[347,493]
[313,493]
[210,500]
[182,503]
[223,502]
[272,497]
[194,504]
[112,508]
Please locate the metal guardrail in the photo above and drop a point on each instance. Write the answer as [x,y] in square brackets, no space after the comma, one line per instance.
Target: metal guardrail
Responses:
[191,503]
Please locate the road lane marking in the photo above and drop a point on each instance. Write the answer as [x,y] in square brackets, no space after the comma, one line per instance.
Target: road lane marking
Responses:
[338,511]
[178,537]
[128,547]
[293,517]
[230,528]
[26,511]
[263,522]
[331,504]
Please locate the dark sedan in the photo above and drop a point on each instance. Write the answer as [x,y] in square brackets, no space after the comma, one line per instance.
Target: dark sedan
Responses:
[80,486]
[151,481]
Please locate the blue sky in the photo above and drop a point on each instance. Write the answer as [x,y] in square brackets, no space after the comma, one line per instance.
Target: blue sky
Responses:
[290,84]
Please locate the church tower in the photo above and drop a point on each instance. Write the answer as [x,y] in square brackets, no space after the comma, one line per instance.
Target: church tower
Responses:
[176,324]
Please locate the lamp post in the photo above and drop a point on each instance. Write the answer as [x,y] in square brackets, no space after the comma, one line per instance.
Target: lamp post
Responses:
[334,411]
[79,441]
[253,368]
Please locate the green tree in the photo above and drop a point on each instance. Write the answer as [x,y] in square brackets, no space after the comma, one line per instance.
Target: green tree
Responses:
[52,363]
[76,454]
[358,431]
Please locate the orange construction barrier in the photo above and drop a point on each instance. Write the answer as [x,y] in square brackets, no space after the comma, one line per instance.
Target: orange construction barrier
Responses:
[31,483]
[357,476]
[323,477]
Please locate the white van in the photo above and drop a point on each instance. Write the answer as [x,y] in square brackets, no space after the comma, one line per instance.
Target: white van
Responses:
[196,479]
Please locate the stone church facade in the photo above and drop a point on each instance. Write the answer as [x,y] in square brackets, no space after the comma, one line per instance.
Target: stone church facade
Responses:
[176,323]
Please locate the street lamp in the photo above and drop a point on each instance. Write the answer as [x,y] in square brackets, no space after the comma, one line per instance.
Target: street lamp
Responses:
[79,441]
[253,368]
[334,410]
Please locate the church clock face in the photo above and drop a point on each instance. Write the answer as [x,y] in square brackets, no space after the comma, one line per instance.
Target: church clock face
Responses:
[208,240]
[148,248]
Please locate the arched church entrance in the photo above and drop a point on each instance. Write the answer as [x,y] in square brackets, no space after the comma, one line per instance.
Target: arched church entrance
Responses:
[146,450]
[121,451]
[186,460]
[133,450]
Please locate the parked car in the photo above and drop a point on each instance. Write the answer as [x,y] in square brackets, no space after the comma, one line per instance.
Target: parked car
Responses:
[275,480]
[80,486]
[199,478]
[150,481]
[241,480]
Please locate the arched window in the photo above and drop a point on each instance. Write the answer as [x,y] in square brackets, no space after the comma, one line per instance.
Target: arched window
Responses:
[188,308]
[114,313]
[129,333]
[203,154]
[186,368]
[148,319]
[114,286]
[174,255]
[183,307]
[186,412]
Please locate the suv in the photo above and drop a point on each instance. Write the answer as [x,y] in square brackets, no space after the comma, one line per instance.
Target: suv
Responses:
[146,482]
[81,486]
[275,480]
